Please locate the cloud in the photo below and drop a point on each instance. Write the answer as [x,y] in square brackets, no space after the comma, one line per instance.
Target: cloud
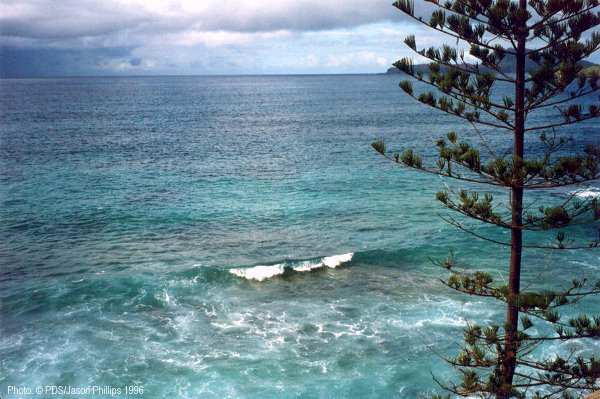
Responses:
[366,48]
[89,37]
[190,36]
[24,62]
[66,19]
[216,38]
[50,19]
[361,58]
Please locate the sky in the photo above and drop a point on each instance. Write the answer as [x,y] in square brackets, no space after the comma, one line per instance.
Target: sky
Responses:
[180,37]
[139,37]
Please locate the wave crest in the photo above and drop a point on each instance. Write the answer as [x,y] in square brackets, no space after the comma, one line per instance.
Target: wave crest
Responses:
[258,273]
[588,193]
[261,273]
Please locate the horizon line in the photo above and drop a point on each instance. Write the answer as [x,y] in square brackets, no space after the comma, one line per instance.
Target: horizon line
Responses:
[188,75]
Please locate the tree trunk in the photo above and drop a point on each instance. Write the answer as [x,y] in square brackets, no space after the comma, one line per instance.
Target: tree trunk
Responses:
[511,343]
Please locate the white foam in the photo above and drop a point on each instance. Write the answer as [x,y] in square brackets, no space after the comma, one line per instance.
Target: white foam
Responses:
[588,193]
[329,261]
[336,260]
[258,273]
[308,266]
[163,296]
[261,273]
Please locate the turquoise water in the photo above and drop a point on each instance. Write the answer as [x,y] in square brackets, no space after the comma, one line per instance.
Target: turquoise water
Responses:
[126,202]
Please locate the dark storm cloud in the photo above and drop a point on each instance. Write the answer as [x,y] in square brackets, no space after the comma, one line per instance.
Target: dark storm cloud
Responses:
[24,62]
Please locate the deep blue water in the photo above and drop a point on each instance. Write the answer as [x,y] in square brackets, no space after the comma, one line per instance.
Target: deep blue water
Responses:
[125,202]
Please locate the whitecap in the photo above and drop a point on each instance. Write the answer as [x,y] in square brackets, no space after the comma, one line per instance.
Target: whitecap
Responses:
[336,260]
[258,273]
[307,266]
[587,193]
[329,261]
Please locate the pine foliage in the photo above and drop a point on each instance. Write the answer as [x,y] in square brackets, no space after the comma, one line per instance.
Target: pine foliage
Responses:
[499,361]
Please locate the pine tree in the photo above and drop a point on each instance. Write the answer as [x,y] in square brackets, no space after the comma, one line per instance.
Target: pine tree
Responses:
[547,40]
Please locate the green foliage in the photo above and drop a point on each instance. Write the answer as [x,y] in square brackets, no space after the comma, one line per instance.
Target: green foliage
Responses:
[556,216]
[442,196]
[452,137]
[409,158]
[406,86]
[405,65]
[410,42]
[379,146]
[406,6]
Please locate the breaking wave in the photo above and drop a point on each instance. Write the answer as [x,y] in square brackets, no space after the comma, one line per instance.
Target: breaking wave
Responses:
[261,273]
[587,193]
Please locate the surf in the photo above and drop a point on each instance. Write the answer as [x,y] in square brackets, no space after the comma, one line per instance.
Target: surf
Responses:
[265,272]
[587,193]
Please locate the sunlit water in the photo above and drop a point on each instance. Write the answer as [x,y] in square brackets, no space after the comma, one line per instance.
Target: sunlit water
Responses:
[132,207]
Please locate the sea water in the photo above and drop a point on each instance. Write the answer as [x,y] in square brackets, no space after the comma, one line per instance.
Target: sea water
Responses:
[237,237]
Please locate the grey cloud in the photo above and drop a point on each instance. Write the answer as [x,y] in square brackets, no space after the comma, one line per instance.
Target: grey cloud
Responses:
[50,19]
[65,19]
[88,37]
[23,62]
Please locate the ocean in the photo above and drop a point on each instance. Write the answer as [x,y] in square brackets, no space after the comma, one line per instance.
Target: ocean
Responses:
[237,237]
